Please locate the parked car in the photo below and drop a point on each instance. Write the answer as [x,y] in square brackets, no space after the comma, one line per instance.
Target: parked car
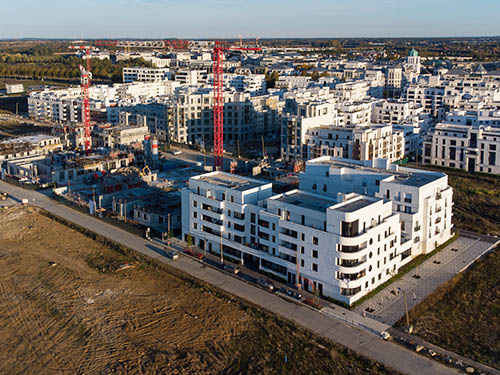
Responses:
[231,269]
[265,284]
[176,152]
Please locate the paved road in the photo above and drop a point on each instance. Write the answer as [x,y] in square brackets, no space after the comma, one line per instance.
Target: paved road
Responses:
[361,342]
[389,303]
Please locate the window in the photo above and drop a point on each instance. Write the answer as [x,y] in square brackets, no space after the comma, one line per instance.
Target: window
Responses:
[315,267]
[315,254]
[195,204]
[302,250]
[232,199]
[302,237]
[324,187]
[315,241]
[252,217]
[195,226]
[314,187]
[302,262]
[195,214]
[223,196]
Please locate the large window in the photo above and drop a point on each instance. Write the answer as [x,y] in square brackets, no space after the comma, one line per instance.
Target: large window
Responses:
[350,229]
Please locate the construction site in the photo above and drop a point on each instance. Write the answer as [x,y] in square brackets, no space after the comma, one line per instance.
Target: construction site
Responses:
[71,305]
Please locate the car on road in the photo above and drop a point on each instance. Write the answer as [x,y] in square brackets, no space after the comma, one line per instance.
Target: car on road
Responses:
[231,269]
[176,152]
[265,284]
[3,195]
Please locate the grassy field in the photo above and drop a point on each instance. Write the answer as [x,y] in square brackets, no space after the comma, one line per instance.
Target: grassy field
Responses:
[476,198]
[76,306]
[463,315]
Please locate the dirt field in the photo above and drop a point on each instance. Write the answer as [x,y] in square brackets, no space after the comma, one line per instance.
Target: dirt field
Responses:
[69,305]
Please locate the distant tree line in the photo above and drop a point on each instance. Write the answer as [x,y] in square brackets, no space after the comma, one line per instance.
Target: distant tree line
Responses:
[62,67]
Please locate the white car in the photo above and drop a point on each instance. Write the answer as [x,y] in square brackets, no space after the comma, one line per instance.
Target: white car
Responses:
[177,152]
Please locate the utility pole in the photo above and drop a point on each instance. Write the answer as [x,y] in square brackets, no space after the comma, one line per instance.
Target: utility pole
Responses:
[221,250]
[406,311]
[125,218]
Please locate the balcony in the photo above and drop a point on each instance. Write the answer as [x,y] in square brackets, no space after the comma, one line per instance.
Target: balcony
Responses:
[352,276]
[438,220]
[351,263]
[290,233]
[213,209]
[211,220]
[288,245]
[417,228]
[438,196]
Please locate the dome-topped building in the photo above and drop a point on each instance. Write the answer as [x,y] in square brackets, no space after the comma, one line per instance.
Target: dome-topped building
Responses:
[413,53]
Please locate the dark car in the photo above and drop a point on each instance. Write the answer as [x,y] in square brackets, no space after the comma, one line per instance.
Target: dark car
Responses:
[231,269]
[265,284]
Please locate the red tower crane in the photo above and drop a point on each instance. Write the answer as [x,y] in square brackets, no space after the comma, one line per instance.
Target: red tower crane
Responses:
[218,71]
[85,79]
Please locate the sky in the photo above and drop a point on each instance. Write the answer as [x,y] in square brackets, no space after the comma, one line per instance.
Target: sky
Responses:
[249,18]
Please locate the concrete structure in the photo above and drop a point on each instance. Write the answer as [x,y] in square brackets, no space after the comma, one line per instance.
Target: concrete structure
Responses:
[145,74]
[341,243]
[14,88]
[358,143]
[472,148]
[394,82]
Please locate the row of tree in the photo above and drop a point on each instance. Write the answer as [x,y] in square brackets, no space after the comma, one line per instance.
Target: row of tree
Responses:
[65,68]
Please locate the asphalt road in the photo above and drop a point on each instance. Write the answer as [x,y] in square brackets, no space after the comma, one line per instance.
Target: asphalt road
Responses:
[366,344]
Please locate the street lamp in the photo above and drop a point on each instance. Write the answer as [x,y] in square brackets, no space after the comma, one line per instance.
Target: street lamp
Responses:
[410,328]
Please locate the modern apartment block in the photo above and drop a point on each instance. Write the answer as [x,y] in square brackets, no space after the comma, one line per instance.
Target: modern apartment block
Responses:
[145,74]
[473,148]
[342,235]
[358,143]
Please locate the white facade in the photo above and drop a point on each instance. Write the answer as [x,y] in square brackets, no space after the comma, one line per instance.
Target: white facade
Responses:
[473,148]
[343,244]
[358,143]
[145,74]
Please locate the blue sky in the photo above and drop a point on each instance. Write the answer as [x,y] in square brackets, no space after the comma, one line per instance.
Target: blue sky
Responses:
[250,18]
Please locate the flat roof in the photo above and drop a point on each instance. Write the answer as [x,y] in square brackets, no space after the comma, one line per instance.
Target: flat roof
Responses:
[354,205]
[415,179]
[231,181]
[309,201]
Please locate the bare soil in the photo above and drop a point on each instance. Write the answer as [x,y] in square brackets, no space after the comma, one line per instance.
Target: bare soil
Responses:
[70,305]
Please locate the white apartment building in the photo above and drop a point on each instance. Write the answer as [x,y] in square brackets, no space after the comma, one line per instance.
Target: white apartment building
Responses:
[255,84]
[355,113]
[292,82]
[359,143]
[190,77]
[484,116]
[394,81]
[473,148]
[295,126]
[423,199]
[438,94]
[351,91]
[341,244]
[145,74]
[64,105]
[395,112]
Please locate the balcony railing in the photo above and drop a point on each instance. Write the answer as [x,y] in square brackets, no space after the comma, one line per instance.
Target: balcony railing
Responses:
[352,276]
[351,263]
